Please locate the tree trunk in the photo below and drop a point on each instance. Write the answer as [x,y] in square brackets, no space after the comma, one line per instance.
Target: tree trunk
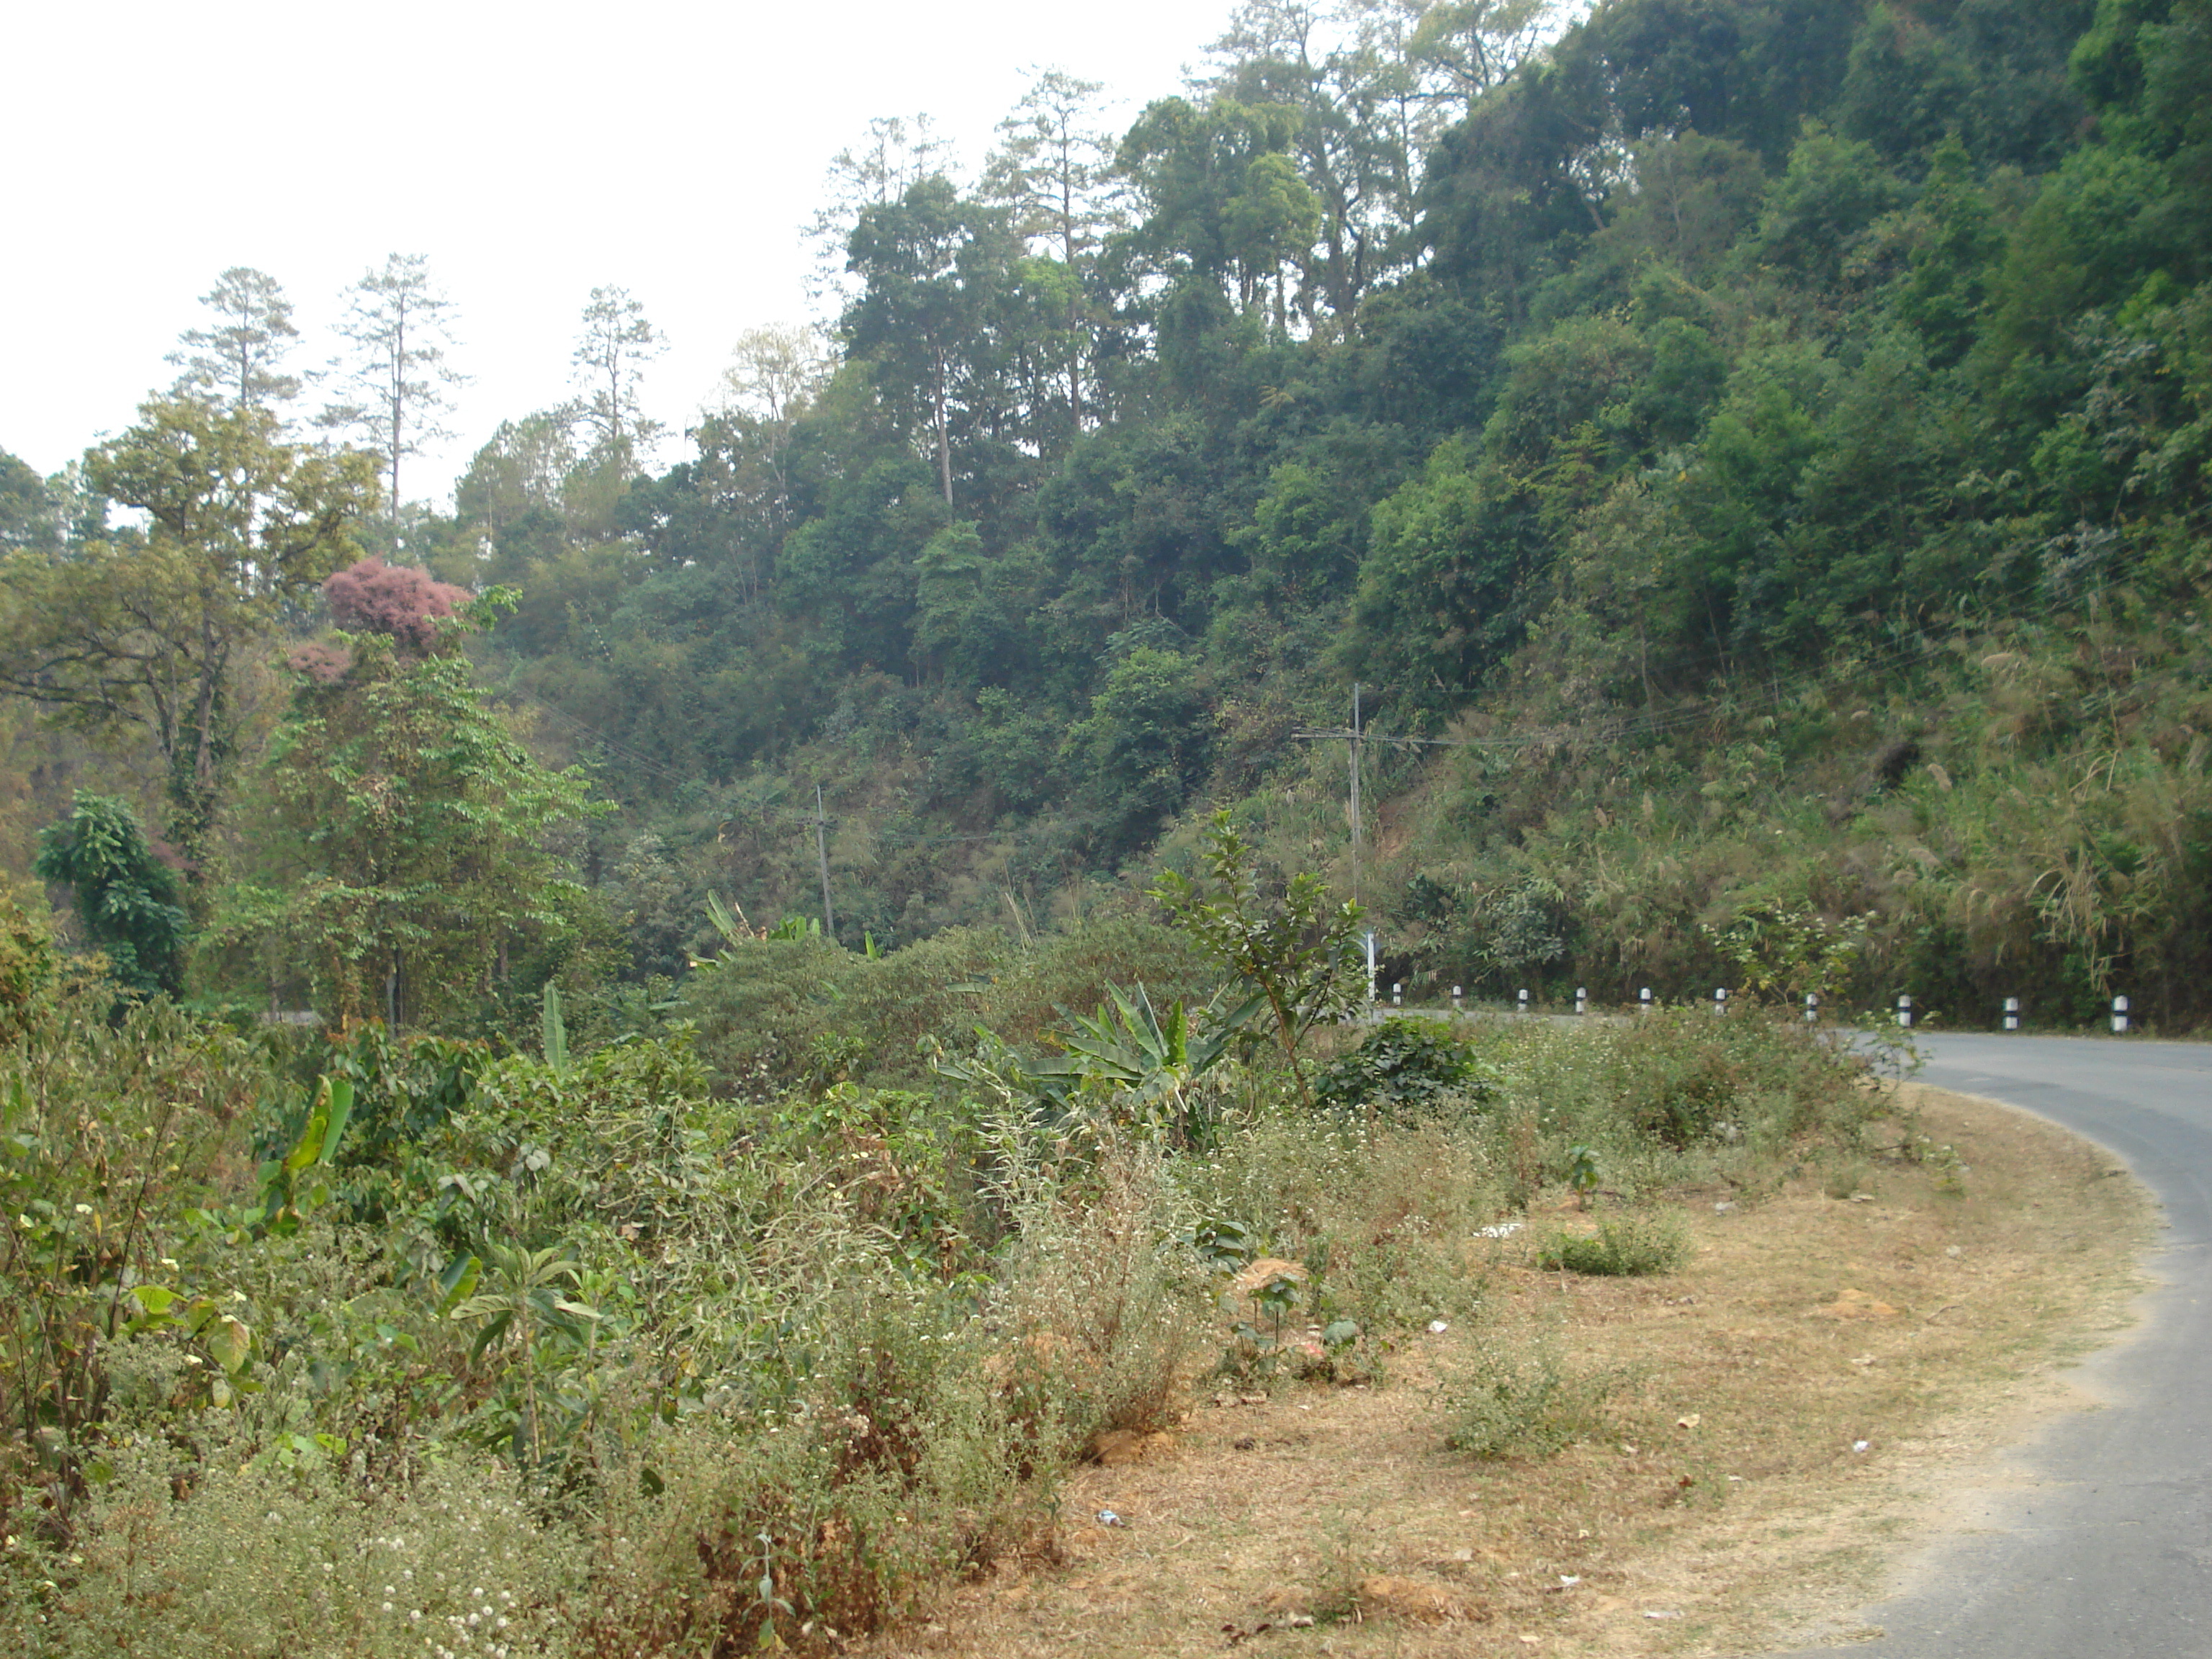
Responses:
[944,440]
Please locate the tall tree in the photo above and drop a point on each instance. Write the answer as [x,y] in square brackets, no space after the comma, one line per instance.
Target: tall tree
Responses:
[616,342]
[396,382]
[238,358]
[1350,153]
[1222,193]
[935,267]
[897,153]
[1053,168]
[157,631]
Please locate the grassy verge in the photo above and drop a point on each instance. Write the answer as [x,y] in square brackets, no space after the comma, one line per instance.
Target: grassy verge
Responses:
[1718,1458]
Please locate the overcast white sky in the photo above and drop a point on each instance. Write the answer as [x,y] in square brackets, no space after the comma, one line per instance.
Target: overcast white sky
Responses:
[532,152]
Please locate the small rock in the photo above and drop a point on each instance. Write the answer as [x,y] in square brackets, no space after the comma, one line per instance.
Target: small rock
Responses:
[1437,1328]
[1723,1208]
[1108,1518]
[1861,1446]
[1689,1422]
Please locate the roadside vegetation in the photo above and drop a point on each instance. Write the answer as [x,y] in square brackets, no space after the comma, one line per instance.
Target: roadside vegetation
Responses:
[671,1342]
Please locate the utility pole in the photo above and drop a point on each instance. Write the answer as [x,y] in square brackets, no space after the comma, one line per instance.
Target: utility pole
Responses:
[1355,791]
[822,854]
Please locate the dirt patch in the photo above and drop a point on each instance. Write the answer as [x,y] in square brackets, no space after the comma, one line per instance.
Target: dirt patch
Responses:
[1778,1417]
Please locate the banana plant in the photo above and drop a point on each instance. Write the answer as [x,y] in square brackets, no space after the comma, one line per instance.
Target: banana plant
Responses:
[1147,1061]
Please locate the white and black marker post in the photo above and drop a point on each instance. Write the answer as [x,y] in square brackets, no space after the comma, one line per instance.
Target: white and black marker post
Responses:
[1458,994]
[1812,1006]
[1582,1000]
[1720,999]
[2119,1015]
[2012,1014]
[1397,994]
[1904,1010]
[1643,1001]
[1524,1003]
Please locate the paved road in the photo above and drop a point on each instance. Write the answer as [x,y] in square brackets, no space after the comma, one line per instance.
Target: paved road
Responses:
[2095,1543]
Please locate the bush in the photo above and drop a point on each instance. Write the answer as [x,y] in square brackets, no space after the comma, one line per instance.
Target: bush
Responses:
[1525,1403]
[1632,1247]
[224,1560]
[1405,1065]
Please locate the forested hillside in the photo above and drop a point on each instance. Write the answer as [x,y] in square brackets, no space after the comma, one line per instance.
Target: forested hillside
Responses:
[1751,456]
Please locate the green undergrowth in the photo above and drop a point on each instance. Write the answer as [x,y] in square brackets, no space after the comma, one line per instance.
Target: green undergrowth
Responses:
[404,1346]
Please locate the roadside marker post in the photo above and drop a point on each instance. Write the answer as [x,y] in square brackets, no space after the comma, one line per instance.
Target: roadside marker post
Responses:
[1812,1007]
[1720,999]
[1456,995]
[1643,1001]
[1582,1000]
[1524,1003]
[2119,1015]
[2012,1014]
[1397,994]
[1904,1010]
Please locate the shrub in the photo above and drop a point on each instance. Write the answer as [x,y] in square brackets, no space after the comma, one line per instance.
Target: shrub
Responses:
[1525,1402]
[1405,1065]
[1634,1246]
[224,1560]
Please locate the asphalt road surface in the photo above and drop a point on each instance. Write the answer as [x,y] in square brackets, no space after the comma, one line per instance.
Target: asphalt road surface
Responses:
[2096,1541]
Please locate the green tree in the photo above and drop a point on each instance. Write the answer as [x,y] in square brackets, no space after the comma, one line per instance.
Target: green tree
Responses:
[1144,743]
[1053,168]
[408,863]
[1222,193]
[29,515]
[1440,598]
[158,632]
[934,268]
[127,900]
[1299,953]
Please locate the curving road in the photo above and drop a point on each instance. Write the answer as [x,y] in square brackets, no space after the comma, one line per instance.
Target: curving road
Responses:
[2104,1551]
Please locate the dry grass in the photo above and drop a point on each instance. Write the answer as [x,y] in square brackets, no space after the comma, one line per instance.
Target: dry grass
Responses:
[1722,1510]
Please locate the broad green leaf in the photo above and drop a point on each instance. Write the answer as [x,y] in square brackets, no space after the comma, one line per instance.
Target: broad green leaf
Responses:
[309,1147]
[458,1283]
[229,1341]
[341,1108]
[489,1334]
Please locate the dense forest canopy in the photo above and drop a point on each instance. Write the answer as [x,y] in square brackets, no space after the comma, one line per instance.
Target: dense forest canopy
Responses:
[1750,454]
